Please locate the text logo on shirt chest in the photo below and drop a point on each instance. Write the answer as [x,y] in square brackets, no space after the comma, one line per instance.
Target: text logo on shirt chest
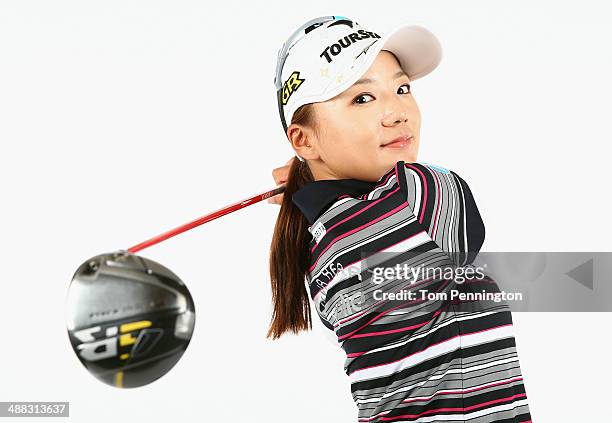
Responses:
[318,231]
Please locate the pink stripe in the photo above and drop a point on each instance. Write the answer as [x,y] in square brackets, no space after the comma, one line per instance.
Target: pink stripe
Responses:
[364,335]
[352,231]
[382,183]
[430,346]
[386,332]
[356,214]
[460,409]
[381,301]
[378,316]
[357,354]
[465,391]
[375,334]
[424,183]
[367,419]
[438,312]
[354,316]
[437,215]
[364,196]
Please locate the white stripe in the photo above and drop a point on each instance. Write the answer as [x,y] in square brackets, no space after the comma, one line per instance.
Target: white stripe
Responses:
[391,181]
[448,391]
[472,415]
[417,193]
[453,319]
[451,226]
[440,376]
[363,242]
[453,344]
[355,268]
[347,199]
[336,204]
[465,234]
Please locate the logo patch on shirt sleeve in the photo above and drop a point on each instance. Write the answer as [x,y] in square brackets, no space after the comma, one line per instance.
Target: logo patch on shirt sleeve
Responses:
[318,231]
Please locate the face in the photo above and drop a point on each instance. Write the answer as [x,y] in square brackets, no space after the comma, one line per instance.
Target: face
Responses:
[355,129]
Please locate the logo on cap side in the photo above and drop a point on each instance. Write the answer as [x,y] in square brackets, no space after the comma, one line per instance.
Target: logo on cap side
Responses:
[336,48]
[365,50]
[291,85]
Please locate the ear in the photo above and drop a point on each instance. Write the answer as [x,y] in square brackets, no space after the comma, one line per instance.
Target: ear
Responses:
[304,141]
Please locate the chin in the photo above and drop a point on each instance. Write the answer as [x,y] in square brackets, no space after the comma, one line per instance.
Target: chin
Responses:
[407,155]
[411,158]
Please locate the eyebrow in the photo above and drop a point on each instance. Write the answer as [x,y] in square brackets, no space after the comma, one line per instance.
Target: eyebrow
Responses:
[369,80]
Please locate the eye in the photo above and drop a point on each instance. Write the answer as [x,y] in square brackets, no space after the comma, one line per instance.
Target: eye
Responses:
[361,96]
[407,88]
[356,99]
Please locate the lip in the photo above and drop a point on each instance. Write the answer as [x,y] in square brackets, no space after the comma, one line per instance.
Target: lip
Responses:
[399,142]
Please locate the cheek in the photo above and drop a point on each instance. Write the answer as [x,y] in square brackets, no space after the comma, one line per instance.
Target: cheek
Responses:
[349,132]
[345,130]
[339,141]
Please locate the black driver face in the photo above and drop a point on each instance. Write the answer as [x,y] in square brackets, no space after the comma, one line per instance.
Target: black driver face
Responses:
[129,319]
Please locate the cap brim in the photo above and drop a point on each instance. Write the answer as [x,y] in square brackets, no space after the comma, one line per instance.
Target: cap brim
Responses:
[417,49]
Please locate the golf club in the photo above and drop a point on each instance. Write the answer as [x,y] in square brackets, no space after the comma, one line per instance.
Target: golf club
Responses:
[130,319]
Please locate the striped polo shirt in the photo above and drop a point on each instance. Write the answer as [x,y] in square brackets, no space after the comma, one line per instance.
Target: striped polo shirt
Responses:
[416,358]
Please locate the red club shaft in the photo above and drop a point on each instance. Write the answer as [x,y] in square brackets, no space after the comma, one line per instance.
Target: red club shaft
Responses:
[207,218]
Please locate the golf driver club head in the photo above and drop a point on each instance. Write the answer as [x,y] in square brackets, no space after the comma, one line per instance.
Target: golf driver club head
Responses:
[129,318]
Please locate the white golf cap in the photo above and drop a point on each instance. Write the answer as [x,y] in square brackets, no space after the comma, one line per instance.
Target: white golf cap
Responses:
[327,55]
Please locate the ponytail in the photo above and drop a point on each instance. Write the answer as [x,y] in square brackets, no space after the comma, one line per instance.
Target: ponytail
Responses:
[289,254]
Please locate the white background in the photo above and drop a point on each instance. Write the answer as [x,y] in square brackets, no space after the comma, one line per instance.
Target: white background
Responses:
[122,119]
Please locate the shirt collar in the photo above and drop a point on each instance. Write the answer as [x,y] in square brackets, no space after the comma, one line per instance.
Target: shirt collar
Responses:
[315,196]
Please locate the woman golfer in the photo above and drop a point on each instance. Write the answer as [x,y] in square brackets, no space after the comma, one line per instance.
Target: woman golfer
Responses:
[359,215]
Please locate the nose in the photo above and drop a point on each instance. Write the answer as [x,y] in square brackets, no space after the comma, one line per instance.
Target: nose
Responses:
[396,114]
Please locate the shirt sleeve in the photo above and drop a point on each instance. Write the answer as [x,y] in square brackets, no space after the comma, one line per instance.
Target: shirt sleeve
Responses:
[444,205]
